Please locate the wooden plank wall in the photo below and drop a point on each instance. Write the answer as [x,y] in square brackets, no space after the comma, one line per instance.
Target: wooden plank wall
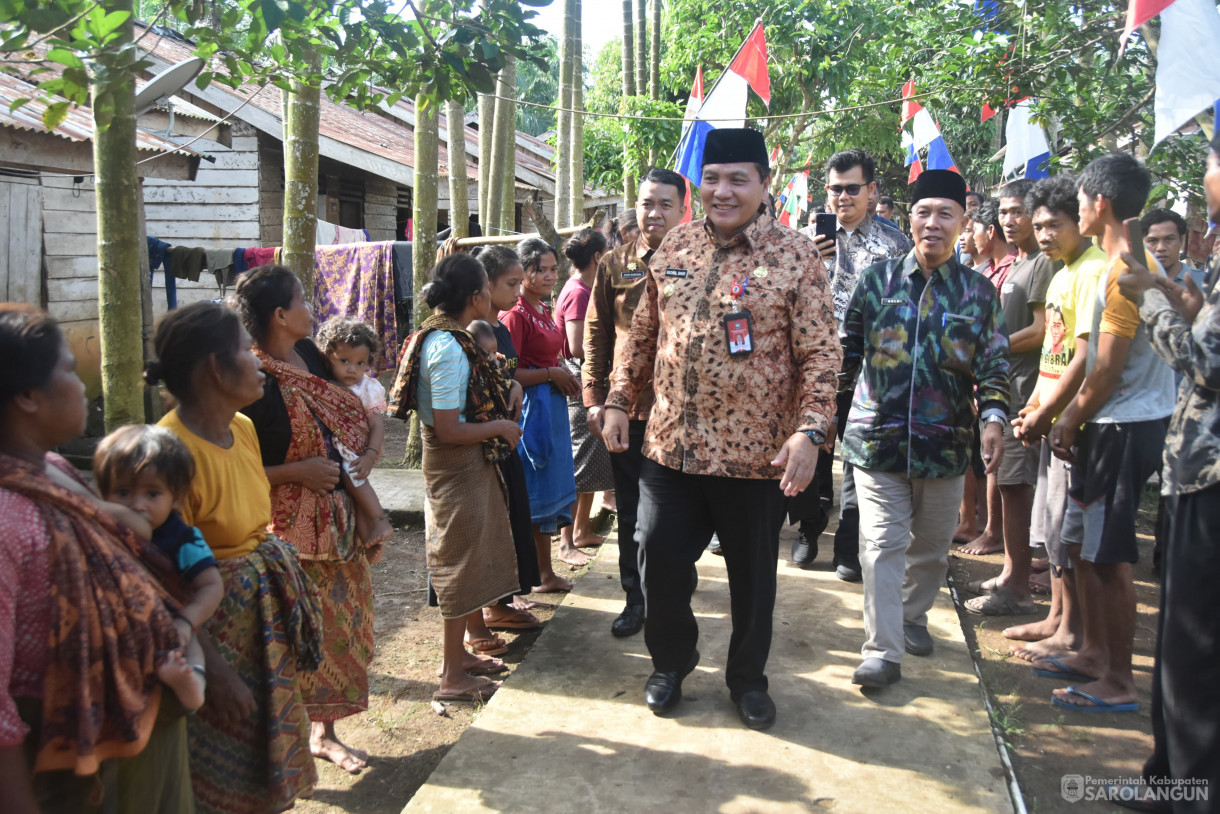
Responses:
[380,207]
[218,210]
[20,240]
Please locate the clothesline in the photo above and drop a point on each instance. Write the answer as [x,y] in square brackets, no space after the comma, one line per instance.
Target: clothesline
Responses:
[632,117]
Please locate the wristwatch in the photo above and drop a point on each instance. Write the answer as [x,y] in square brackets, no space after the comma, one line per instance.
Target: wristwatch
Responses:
[816,436]
[995,418]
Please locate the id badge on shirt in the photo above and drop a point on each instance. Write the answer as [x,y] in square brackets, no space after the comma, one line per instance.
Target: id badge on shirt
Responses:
[739,332]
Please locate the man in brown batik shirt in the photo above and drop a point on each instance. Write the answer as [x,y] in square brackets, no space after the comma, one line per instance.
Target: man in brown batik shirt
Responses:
[735,425]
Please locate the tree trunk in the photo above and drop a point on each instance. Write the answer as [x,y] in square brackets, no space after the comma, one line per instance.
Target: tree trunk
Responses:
[576,173]
[628,50]
[629,182]
[119,302]
[654,67]
[563,129]
[504,150]
[487,115]
[654,57]
[459,187]
[423,245]
[641,48]
[301,116]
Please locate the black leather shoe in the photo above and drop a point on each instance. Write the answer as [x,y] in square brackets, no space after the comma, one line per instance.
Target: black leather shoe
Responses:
[877,673]
[756,709]
[629,622]
[847,573]
[663,690]
[917,640]
[804,550]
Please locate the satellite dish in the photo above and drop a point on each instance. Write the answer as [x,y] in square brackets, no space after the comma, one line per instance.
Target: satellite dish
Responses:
[167,83]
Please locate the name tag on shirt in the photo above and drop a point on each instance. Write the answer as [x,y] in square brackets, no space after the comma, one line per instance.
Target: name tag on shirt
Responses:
[632,275]
[895,301]
[683,273]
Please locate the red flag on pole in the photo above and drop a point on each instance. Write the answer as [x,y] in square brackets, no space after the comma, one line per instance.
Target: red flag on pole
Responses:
[909,106]
[751,64]
[1138,13]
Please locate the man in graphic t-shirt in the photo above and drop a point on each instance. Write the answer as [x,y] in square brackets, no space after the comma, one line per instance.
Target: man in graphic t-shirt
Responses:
[1069,318]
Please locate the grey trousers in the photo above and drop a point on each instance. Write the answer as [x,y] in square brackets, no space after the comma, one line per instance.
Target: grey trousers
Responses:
[906,528]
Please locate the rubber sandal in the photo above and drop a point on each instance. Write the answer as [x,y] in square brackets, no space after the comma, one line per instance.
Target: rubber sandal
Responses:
[981,586]
[493,646]
[1095,704]
[1062,673]
[475,696]
[515,622]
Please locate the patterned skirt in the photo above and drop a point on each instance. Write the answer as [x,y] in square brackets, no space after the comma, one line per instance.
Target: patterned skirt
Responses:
[340,687]
[268,628]
[590,457]
[469,540]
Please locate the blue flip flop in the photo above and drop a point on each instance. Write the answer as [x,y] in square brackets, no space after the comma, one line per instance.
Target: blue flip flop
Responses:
[1063,673]
[1096,704]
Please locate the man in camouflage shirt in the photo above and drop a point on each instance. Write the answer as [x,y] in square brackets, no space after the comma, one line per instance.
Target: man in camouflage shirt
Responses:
[859,241]
[1184,329]
[923,338]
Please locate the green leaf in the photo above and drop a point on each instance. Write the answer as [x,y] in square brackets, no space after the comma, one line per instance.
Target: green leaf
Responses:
[55,114]
[274,12]
[111,22]
[18,103]
[65,57]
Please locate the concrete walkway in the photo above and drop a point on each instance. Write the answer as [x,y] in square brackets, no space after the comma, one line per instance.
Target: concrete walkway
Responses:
[569,730]
[401,492]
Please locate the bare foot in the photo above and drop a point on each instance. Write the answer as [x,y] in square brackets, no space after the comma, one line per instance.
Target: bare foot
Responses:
[323,744]
[1034,631]
[182,678]
[1040,565]
[1040,584]
[572,555]
[589,540]
[522,603]
[552,585]
[983,544]
[380,530]
[1054,647]
[966,532]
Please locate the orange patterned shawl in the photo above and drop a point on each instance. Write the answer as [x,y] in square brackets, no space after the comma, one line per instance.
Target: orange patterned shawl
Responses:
[300,516]
[110,622]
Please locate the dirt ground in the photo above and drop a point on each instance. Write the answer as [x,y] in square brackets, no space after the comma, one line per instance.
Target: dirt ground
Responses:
[402,733]
[1044,741]
[407,739]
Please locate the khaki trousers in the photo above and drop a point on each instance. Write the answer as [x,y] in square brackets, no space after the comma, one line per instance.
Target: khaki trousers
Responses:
[906,528]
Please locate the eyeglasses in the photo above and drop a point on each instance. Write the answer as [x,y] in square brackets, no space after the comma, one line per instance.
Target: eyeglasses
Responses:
[851,189]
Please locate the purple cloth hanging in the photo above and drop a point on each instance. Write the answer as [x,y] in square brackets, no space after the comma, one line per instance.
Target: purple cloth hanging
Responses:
[357,280]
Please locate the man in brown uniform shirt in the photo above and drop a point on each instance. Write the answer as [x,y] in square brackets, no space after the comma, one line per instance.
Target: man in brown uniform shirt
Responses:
[736,333]
[621,280]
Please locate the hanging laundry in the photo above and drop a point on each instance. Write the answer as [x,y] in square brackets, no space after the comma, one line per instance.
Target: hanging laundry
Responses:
[239,262]
[357,280]
[220,263]
[343,234]
[186,263]
[259,257]
[158,253]
[278,257]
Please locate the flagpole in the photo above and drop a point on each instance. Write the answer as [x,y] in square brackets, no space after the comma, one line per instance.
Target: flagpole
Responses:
[708,93]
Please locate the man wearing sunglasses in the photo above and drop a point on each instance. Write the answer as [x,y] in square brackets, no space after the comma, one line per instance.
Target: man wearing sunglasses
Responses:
[859,242]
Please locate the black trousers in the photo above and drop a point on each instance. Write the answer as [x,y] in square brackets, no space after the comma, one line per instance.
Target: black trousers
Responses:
[677,516]
[1185,704]
[813,505]
[626,469]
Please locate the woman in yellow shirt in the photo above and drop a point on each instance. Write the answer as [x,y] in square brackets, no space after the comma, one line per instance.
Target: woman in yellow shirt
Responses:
[250,741]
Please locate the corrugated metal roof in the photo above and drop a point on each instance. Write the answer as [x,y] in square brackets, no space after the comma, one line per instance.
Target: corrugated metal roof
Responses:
[76,126]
